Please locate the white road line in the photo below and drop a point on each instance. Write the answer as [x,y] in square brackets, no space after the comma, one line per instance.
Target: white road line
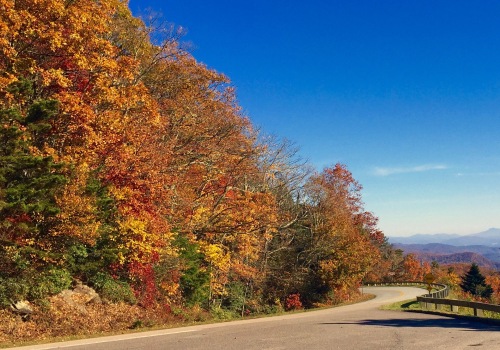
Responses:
[107,339]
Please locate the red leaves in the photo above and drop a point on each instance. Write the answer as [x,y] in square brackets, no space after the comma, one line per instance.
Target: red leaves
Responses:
[293,302]
[144,284]
[23,217]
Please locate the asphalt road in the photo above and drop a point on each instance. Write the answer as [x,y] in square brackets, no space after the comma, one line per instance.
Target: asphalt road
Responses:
[360,326]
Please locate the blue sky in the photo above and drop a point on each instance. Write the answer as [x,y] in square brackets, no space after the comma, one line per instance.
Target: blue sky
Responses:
[405,93]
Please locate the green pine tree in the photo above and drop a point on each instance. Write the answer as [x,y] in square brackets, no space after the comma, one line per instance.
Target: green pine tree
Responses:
[474,282]
[29,183]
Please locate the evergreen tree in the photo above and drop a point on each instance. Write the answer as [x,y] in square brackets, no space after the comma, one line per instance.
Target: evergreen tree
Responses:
[473,282]
[29,182]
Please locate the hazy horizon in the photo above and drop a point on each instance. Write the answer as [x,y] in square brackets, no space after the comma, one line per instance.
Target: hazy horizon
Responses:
[443,233]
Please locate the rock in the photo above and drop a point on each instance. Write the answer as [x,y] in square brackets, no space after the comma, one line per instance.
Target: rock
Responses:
[92,295]
[79,296]
[22,308]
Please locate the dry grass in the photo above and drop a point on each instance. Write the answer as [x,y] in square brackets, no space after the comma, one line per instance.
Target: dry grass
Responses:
[58,319]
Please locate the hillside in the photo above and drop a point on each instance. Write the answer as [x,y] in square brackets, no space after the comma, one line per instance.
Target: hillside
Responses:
[455,258]
[446,254]
[490,253]
[482,247]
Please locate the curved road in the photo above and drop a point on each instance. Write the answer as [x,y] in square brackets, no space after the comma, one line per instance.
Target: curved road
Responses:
[358,326]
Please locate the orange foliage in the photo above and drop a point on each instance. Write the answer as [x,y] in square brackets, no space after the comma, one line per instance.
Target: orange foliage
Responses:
[412,268]
[154,145]
[343,228]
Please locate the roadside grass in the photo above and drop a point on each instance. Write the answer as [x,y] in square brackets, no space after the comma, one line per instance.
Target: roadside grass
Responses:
[405,305]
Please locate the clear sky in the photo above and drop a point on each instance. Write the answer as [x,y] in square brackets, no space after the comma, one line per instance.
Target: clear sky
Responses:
[405,93]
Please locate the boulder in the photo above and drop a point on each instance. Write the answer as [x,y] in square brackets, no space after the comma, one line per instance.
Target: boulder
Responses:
[23,308]
[90,293]
[79,296]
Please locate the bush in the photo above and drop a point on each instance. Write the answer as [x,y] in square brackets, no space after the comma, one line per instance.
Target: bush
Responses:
[49,283]
[12,289]
[76,257]
[236,298]
[113,290]
[223,314]
[293,302]
[33,287]
[194,280]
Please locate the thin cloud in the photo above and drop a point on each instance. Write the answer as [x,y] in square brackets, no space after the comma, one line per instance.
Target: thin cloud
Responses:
[381,171]
[479,174]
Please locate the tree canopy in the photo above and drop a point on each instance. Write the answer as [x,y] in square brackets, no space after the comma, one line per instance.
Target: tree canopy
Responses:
[129,165]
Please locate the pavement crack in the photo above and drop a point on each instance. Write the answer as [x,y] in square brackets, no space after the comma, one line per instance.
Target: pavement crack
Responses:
[399,341]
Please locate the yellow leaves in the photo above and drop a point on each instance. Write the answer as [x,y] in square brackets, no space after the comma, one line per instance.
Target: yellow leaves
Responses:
[57,42]
[135,234]
[219,259]
[200,215]
[77,217]
[217,255]
[169,289]
[137,241]
[133,238]
[54,77]
[11,253]
[5,80]
[120,194]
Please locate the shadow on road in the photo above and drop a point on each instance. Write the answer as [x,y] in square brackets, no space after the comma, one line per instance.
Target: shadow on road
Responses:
[467,325]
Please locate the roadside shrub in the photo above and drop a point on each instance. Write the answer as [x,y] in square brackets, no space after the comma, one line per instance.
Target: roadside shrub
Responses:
[33,286]
[113,290]
[12,289]
[194,279]
[220,313]
[76,257]
[293,302]
[49,283]
[236,298]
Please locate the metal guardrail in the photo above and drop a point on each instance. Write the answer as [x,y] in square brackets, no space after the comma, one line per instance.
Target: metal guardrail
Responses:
[442,290]
[403,283]
[436,303]
[437,299]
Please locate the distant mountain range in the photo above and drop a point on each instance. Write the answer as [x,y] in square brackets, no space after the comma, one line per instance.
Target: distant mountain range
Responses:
[489,238]
[482,248]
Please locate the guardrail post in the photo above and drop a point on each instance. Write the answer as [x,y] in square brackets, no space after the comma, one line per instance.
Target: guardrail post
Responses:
[454,308]
[478,312]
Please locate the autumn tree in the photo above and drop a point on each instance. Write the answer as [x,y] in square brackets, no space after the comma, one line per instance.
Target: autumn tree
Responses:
[390,266]
[331,248]
[63,52]
[343,228]
[494,282]
[129,165]
[412,268]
